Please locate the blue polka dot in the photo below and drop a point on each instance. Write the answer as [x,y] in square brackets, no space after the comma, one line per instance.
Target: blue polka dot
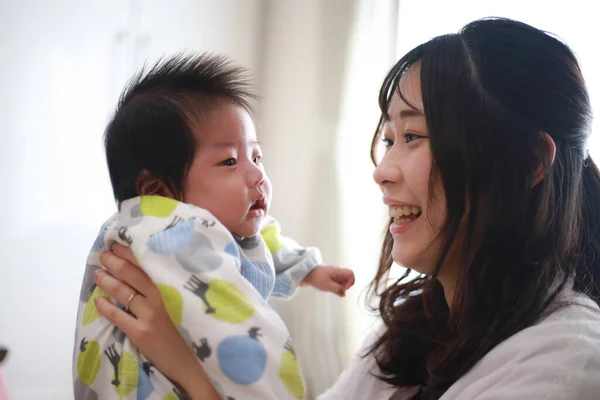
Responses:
[242,359]
[199,254]
[173,239]
[232,250]
[145,388]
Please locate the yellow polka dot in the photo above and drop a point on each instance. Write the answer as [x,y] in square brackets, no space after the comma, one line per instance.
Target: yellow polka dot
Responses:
[88,362]
[230,304]
[271,236]
[129,374]
[173,302]
[90,312]
[290,375]
[157,206]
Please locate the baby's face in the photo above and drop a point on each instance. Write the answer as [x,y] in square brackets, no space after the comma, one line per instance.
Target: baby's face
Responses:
[227,177]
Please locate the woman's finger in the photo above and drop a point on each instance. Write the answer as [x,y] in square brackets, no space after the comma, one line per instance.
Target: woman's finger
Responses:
[132,276]
[121,292]
[116,316]
[164,346]
[125,253]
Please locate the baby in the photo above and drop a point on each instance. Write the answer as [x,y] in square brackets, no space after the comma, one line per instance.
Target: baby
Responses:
[193,201]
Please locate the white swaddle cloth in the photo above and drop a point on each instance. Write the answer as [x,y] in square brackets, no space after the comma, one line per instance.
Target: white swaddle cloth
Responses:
[242,343]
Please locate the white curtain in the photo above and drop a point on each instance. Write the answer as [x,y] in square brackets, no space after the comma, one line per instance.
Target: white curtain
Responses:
[322,64]
[371,55]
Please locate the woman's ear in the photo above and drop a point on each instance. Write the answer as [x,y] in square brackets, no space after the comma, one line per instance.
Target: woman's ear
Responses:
[550,149]
[148,185]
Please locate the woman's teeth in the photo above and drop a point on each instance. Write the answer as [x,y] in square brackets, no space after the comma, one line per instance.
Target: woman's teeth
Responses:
[404,214]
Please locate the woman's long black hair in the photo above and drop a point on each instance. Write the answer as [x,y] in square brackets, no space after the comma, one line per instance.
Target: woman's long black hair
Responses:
[490,94]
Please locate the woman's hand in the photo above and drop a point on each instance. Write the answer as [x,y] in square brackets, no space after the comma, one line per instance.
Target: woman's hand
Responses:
[151,330]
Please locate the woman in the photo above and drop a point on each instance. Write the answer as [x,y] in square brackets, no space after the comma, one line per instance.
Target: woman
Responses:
[494,201]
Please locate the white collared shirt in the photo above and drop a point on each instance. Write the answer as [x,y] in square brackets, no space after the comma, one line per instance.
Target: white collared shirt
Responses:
[556,359]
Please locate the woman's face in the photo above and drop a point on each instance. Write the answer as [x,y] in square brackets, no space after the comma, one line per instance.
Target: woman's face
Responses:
[403,175]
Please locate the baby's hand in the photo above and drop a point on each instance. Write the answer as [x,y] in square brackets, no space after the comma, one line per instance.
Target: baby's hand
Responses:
[329,278]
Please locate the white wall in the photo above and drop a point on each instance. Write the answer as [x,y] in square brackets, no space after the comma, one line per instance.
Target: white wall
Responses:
[575,22]
[63,63]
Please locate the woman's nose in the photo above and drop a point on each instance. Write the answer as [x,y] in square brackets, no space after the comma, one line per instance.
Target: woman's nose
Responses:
[386,172]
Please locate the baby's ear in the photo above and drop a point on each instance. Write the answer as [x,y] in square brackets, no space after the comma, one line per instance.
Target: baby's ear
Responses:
[148,185]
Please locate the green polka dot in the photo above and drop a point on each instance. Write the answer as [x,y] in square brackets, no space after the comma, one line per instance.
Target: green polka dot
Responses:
[271,236]
[171,396]
[229,303]
[129,374]
[88,363]
[157,206]
[90,313]
[173,302]
[290,375]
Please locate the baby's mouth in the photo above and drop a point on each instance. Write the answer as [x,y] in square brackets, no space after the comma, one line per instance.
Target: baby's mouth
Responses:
[259,204]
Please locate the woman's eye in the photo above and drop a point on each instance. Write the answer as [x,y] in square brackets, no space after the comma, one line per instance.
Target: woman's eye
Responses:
[409,137]
[230,162]
[387,142]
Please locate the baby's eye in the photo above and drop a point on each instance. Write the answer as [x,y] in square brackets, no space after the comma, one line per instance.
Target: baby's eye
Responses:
[258,160]
[230,162]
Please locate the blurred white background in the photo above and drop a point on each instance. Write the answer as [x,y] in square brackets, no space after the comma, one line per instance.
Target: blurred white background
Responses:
[318,65]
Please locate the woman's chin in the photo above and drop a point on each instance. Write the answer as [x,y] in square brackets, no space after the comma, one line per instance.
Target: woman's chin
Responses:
[412,261]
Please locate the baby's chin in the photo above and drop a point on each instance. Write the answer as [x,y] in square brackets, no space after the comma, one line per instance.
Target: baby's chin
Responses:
[248,229]
[245,234]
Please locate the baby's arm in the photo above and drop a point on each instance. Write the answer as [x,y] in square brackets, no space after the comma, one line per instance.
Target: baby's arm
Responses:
[296,265]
